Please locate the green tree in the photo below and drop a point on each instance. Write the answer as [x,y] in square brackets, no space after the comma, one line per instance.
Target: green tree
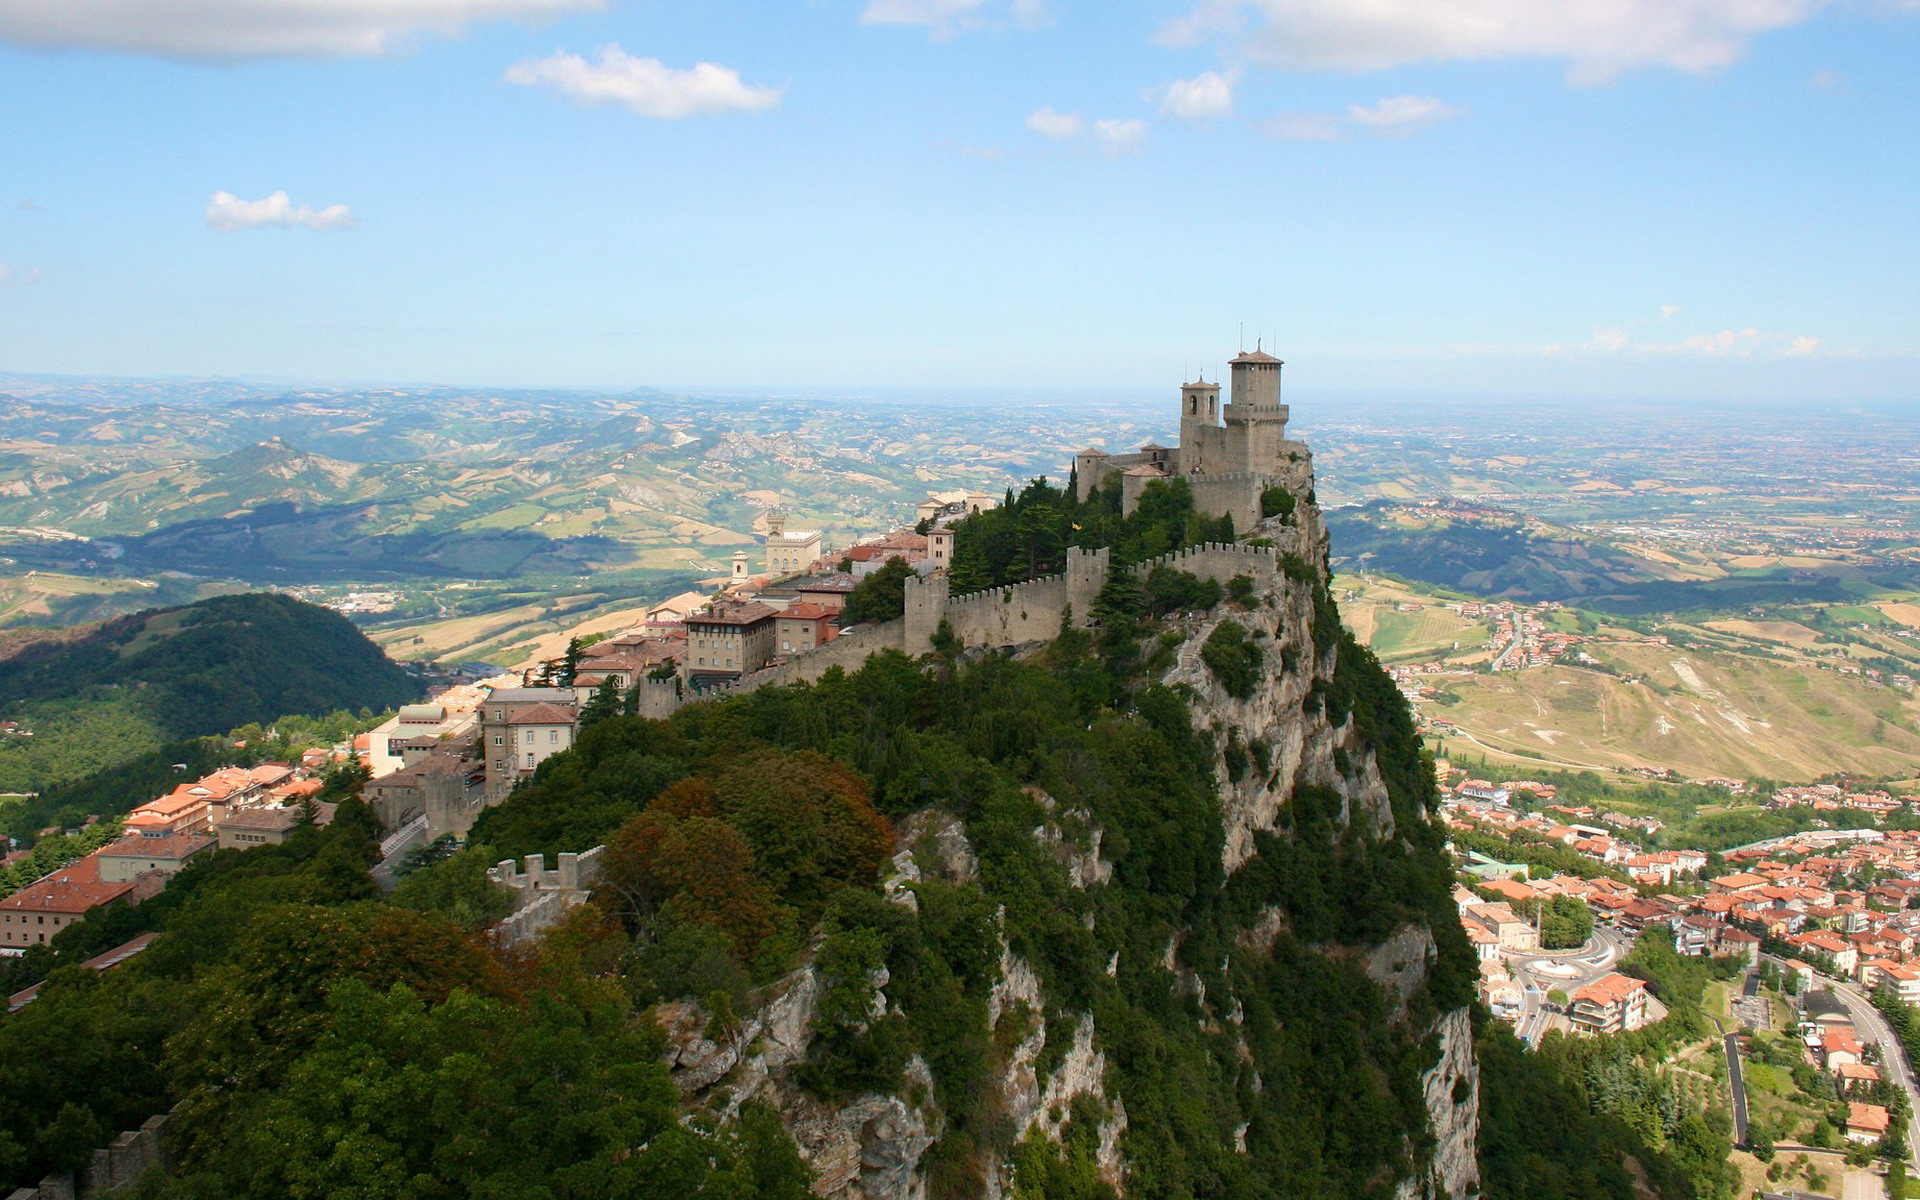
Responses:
[604,703]
[881,596]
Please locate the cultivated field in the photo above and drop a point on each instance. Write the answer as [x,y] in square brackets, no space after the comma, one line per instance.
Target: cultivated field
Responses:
[1702,715]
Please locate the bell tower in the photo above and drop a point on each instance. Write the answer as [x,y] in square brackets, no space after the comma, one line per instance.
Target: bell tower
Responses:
[1199,423]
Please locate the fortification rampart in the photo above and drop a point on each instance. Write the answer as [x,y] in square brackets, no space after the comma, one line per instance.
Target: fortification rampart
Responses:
[1218,561]
[542,896]
[995,618]
[114,1168]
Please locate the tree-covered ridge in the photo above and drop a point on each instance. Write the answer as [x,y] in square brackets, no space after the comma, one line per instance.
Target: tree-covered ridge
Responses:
[161,676]
[1218,1036]
[1028,535]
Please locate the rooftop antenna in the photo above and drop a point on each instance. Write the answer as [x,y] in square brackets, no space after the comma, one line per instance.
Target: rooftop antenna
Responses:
[1243,337]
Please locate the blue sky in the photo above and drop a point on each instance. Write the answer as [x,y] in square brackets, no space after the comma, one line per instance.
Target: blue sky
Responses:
[1570,198]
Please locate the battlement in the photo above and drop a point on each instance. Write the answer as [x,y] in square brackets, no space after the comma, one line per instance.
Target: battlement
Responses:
[573,873]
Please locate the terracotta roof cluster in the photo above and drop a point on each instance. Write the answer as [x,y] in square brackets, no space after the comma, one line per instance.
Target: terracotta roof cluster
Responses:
[74,888]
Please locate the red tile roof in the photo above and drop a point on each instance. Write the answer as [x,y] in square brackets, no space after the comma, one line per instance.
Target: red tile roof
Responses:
[544,714]
[74,888]
[1609,989]
[176,846]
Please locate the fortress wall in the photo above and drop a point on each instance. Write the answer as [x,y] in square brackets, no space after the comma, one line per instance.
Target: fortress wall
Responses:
[1235,495]
[849,650]
[1218,561]
[542,897]
[658,698]
[116,1167]
[1007,616]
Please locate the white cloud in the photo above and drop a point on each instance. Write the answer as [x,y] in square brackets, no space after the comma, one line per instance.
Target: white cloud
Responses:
[645,85]
[1399,116]
[1726,343]
[1205,97]
[1744,343]
[1598,39]
[12,276]
[1391,116]
[238,29]
[1303,127]
[1056,125]
[1116,137]
[948,17]
[228,213]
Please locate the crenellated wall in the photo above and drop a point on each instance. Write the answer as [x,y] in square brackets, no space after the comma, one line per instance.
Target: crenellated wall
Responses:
[543,896]
[995,618]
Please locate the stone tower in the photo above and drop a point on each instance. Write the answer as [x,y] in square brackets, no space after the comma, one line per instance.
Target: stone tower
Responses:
[1199,424]
[1256,420]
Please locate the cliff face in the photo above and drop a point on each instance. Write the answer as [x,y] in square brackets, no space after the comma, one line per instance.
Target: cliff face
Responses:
[1308,963]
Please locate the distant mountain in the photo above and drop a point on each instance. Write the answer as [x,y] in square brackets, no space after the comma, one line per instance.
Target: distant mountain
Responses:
[96,698]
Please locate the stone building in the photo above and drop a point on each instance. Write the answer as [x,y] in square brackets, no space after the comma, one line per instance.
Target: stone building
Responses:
[1229,453]
[447,786]
[501,741]
[135,855]
[789,551]
[803,627]
[726,640]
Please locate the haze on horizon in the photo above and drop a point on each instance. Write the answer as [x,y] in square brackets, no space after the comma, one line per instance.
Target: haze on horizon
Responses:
[1708,198]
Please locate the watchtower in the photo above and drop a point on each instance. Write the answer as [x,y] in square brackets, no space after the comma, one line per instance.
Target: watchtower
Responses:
[1256,420]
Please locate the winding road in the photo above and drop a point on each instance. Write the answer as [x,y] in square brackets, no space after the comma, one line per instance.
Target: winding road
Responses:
[1867,1019]
[1546,970]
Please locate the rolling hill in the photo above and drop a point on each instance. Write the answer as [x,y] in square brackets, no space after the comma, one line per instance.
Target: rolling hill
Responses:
[97,697]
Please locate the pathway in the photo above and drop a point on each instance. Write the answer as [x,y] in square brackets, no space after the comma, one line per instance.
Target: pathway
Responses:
[1735,1081]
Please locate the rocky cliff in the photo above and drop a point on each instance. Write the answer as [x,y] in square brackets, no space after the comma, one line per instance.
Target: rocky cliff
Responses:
[1256,942]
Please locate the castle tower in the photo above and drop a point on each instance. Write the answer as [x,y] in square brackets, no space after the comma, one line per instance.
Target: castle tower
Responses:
[1199,413]
[776,523]
[1256,420]
[739,565]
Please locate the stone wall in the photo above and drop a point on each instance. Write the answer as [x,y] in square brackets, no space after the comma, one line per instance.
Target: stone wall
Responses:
[542,896]
[995,618]
[115,1168]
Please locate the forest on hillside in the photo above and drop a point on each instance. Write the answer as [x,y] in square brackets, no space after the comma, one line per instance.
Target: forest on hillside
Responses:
[136,683]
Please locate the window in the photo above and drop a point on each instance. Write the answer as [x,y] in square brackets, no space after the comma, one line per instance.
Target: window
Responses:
[499,714]
[785,645]
[529,759]
[553,736]
[499,739]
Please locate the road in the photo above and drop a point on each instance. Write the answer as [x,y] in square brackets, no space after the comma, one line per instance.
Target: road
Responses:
[1736,1083]
[1605,948]
[1867,1019]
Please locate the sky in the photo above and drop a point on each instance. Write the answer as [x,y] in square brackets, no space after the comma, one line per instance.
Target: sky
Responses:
[1566,199]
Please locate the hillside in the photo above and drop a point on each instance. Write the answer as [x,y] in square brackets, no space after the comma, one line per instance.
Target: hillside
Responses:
[101,697]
